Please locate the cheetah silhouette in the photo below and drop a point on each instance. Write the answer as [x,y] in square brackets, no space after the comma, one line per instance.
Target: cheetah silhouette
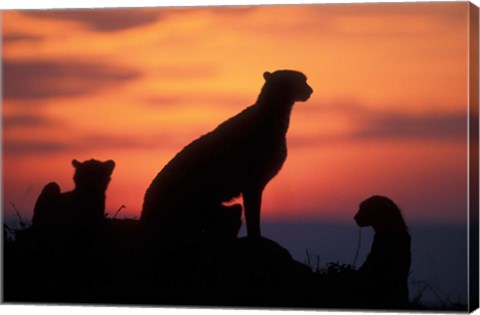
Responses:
[85,205]
[239,157]
[385,271]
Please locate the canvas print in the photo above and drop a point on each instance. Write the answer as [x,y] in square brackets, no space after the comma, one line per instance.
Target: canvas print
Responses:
[285,156]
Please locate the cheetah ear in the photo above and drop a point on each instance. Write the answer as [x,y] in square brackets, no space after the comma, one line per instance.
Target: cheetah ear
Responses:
[76,164]
[267,75]
[110,165]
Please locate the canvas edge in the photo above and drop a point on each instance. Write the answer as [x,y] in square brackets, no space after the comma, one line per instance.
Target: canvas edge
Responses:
[473,163]
[473,103]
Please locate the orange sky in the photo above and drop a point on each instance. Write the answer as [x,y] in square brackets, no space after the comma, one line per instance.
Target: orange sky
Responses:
[388,115]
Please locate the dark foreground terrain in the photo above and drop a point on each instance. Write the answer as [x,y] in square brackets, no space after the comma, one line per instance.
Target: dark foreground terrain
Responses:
[109,266]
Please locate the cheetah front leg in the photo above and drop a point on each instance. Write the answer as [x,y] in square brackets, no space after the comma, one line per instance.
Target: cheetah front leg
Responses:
[252,201]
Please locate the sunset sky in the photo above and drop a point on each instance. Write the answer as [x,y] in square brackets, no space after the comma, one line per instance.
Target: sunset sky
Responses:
[388,114]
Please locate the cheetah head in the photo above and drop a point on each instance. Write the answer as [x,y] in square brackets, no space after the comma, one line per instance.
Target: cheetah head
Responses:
[288,84]
[92,174]
[378,211]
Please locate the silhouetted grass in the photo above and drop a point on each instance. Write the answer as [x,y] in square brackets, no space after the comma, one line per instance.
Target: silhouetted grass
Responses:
[336,270]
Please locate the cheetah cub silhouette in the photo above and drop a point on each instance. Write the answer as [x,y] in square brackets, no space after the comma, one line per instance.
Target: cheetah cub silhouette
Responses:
[239,157]
[386,269]
[85,205]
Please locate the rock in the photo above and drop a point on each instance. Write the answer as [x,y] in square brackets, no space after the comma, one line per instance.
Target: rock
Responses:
[257,272]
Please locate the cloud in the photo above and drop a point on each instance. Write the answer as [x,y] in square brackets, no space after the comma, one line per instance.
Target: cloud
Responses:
[366,125]
[26,147]
[371,125]
[26,120]
[24,80]
[103,20]
[446,126]
[17,37]
[240,10]
[186,72]
[102,141]
[401,19]
[91,143]
[168,101]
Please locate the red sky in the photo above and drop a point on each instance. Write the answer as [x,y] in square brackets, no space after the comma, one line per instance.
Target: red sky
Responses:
[388,115]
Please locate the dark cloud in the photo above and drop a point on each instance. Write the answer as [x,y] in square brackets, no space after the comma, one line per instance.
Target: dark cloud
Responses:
[26,147]
[26,120]
[17,37]
[45,79]
[102,141]
[103,20]
[131,141]
[400,125]
[90,143]
[370,125]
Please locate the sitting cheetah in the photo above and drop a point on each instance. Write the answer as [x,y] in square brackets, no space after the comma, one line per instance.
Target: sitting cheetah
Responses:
[239,157]
[85,205]
[385,272]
